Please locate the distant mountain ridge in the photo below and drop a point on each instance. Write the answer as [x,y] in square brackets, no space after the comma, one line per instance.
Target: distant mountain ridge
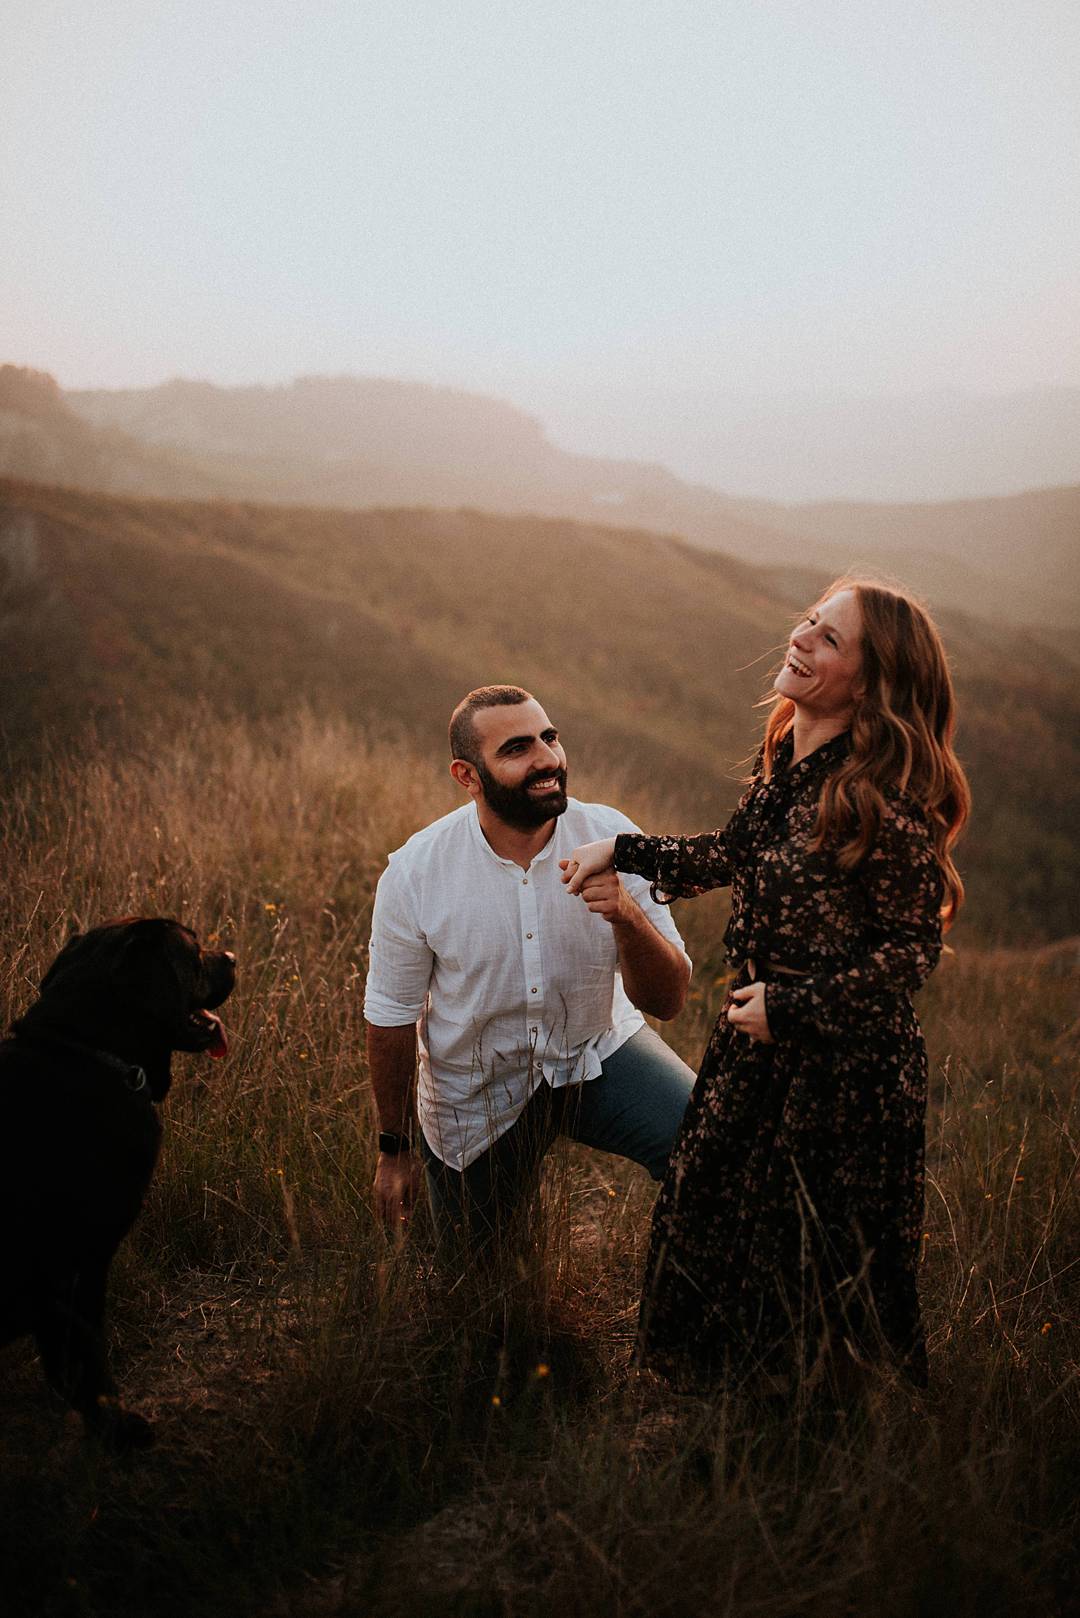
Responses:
[927,447]
[363,442]
[43,439]
[325,418]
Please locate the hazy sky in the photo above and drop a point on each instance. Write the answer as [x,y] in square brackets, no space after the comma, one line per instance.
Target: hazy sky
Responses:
[533,198]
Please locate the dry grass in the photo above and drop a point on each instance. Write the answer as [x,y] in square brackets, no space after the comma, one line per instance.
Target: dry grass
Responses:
[342,1433]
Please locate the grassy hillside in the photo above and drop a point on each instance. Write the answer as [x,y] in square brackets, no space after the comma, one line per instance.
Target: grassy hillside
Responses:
[649,652]
[340,1433]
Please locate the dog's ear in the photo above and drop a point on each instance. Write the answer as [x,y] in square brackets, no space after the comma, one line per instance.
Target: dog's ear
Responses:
[62,961]
[75,989]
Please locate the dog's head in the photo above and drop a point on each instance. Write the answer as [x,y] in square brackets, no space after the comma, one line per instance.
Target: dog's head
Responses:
[139,987]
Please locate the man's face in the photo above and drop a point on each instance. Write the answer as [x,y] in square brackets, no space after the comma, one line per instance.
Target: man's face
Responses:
[523,769]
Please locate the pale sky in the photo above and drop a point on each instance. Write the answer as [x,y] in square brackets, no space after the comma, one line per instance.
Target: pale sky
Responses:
[537,198]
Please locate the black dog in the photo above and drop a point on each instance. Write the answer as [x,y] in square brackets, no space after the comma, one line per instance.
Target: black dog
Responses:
[79,1137]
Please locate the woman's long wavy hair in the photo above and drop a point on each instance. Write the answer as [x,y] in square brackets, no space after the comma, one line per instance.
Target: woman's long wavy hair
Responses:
[901,736]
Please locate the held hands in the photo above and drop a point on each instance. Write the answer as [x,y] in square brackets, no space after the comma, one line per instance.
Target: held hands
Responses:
[590,873]
[590,859]
[749,1017]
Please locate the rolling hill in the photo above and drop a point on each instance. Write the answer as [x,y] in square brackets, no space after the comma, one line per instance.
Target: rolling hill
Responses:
[349,441]
[647,650]
[1025,543]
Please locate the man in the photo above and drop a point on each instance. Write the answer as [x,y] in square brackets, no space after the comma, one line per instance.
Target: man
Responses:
[526,1001]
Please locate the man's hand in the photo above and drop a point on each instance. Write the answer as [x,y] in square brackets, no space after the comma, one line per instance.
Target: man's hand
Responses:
[397,1183]
[391,1055]
[605,896]
[748,1017]
[655,972]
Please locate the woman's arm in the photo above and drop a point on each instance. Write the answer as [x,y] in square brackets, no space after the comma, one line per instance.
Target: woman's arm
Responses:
[903,888]
[677,867]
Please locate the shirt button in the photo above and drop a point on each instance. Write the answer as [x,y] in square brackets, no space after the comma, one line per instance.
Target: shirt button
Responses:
[528,935]
[534,991]
[524,882]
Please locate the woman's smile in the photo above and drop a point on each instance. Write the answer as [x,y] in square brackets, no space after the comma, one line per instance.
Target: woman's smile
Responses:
[821,671]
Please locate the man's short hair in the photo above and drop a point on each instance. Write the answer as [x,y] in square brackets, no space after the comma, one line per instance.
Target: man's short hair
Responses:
[464,742]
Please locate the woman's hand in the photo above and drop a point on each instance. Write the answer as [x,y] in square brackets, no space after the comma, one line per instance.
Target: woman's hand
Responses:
[588,860]
[748,1017]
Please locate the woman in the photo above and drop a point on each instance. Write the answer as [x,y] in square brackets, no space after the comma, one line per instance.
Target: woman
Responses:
[787,1230]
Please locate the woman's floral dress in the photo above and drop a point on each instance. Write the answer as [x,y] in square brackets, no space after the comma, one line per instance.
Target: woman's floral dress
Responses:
[792,1209]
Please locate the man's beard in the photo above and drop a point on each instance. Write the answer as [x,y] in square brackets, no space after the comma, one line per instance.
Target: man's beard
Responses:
[520,808]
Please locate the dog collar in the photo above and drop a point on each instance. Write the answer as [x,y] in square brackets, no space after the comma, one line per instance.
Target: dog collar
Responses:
[131,1073]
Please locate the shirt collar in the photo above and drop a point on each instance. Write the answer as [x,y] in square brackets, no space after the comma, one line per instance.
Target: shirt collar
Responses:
[823,757]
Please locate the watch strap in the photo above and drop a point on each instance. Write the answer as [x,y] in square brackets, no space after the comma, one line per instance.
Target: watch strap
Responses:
[393,1144]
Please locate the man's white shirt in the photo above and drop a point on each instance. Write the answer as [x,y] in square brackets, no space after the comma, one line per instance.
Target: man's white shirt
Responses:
[510,980]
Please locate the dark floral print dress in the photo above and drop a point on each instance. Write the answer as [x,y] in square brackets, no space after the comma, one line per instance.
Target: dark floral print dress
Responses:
[792,1209]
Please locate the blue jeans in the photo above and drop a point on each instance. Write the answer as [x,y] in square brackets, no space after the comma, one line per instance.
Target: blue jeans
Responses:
[633,1109]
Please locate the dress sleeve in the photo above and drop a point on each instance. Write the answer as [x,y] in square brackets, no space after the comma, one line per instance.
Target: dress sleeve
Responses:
[903,888]
[683,867]
[676,867]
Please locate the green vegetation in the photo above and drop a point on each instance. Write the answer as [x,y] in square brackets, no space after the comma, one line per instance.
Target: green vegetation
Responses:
[341,1434]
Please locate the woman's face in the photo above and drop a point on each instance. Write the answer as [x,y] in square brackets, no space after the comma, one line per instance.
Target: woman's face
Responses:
[824,663]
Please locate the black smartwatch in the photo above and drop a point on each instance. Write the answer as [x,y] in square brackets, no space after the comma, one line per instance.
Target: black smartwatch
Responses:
[392,1144]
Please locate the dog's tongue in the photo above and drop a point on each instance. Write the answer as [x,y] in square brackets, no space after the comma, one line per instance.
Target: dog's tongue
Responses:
[220,1045]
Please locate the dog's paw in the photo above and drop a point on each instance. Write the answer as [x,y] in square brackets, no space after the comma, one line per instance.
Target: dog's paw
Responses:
[119,1430]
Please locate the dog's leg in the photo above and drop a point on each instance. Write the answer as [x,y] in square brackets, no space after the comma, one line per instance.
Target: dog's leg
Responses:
[70,1334]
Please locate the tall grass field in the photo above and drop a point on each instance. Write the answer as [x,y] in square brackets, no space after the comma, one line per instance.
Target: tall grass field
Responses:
[344,1430]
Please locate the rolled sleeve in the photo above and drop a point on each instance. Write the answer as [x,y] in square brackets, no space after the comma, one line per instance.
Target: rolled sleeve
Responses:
[400,960]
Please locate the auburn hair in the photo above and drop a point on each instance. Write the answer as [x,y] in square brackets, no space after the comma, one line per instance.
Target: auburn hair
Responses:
[901,736]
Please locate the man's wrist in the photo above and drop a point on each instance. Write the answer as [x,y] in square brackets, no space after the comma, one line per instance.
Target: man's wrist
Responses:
[630,915]
[395,1143]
